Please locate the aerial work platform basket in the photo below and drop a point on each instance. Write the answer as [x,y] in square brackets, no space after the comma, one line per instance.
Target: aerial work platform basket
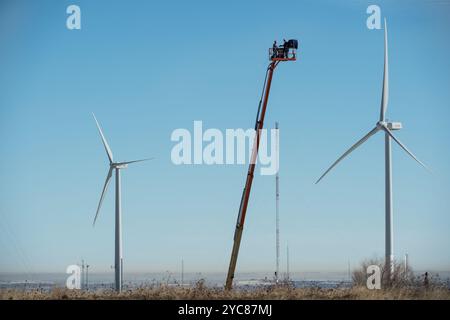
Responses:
[286,52]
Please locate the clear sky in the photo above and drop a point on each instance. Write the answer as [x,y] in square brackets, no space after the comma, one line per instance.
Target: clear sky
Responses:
[148,67]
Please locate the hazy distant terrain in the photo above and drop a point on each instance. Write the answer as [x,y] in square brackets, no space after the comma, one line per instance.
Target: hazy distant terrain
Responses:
[104,281]
[25,281]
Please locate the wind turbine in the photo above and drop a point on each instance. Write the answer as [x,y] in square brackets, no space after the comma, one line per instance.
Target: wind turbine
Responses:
[117,166]
[387,127]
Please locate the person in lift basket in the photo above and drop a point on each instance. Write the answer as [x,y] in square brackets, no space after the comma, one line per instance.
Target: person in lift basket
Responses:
[282,52]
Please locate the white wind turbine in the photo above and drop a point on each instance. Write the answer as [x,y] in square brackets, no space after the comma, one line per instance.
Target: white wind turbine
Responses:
[387,127]
[117,166]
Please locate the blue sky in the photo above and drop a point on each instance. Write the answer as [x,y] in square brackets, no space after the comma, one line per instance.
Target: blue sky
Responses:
[149,67]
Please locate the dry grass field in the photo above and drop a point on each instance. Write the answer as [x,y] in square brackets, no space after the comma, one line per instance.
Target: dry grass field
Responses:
[200,292]
[404,286]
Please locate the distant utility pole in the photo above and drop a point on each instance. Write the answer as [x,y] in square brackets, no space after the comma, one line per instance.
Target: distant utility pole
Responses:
[287,262]
[348,270]
[182,272]
[82,274]
[277,206]
[87,277]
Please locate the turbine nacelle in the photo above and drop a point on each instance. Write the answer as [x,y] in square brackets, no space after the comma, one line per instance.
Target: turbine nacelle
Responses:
[393,126]
[119,165]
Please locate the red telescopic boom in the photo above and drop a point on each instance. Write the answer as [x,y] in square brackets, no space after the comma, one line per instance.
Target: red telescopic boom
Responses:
[276,55]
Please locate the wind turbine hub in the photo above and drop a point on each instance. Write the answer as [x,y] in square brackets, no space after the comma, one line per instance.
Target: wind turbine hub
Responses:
[382,124]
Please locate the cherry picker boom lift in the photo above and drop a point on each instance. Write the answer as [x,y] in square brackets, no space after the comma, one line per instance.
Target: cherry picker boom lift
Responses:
[276,55]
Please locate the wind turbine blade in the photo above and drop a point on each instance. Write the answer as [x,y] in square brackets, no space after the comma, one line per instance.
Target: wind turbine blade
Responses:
[356,145]
[128,162]
[105,143]
[105,188]
[405,148]
[385,92]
